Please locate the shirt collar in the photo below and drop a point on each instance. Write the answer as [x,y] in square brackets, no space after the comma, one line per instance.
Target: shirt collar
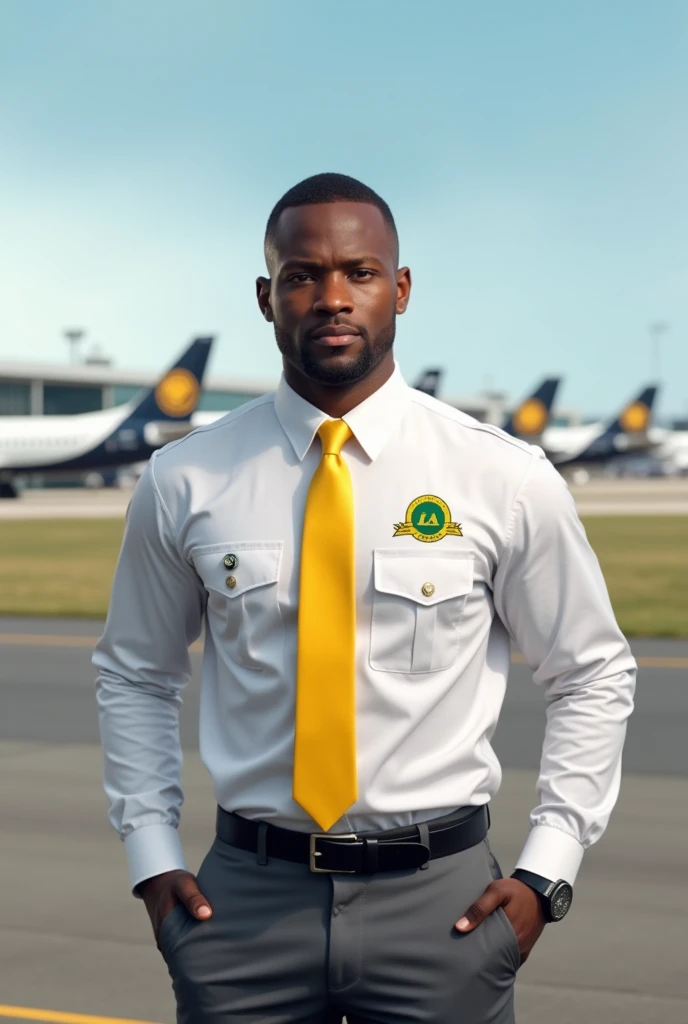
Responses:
[371,422]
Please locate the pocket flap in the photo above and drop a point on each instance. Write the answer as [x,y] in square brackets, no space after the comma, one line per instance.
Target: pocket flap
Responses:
[256,564]
[424,578]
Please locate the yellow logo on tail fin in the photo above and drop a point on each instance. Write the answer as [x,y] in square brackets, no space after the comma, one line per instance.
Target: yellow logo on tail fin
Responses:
[635,418]
[177,393]
[530,418]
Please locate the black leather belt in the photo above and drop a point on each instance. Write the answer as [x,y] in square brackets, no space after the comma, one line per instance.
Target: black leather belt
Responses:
[397,849]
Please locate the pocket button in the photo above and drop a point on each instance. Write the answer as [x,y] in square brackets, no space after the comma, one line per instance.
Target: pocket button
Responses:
[428,589]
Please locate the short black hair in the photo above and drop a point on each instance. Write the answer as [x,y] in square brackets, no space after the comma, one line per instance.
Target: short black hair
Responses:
[327,188]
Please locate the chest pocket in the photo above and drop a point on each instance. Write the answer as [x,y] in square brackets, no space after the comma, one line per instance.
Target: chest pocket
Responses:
[243,608]
[418,604]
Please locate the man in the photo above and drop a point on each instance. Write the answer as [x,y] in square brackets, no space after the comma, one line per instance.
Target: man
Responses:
[360,555]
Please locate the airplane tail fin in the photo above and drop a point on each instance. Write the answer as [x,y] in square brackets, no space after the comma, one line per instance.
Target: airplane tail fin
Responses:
[531,417]
[626,433]
[636,417]
[176,395]
[429,382]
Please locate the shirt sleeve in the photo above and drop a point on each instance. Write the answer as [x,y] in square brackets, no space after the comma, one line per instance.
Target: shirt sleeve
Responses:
[550,594]
[156,612]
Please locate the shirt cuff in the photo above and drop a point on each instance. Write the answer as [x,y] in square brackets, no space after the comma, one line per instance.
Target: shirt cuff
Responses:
[551,853]
[152,849]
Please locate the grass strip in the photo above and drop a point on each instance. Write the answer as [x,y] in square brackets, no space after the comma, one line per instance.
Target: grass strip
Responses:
[64,567]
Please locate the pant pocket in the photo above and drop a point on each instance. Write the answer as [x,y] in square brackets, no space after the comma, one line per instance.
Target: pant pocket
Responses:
[510,937]
[171,929]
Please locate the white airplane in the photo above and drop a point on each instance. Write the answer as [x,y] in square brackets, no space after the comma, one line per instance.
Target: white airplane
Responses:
[104,440]
[596,443]
[670,449]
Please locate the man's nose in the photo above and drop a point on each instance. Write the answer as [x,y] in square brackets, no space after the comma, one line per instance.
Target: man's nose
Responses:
[334,296]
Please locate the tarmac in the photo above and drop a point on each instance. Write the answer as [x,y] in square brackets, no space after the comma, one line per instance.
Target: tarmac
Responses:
[601,496]
[74,942]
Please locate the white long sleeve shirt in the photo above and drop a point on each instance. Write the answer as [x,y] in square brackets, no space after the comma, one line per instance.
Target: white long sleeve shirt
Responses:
[494,551]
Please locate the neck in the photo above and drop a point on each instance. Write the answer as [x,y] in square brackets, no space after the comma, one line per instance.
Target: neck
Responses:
[337,400]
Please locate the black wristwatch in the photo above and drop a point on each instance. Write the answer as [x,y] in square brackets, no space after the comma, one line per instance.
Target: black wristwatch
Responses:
[555,897]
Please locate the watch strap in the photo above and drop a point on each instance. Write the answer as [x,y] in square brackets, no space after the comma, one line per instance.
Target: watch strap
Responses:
[555,897]
[537,882]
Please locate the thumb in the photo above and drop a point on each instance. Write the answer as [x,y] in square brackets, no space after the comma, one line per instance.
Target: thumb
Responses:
[482,908]
[188,893]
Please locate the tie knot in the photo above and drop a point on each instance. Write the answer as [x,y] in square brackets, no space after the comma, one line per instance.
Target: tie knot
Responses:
[333,434]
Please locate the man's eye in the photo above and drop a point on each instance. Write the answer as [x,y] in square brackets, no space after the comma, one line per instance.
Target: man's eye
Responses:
[301,278]
[362,274]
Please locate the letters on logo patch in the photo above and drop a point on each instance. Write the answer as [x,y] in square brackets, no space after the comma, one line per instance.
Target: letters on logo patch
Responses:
[428,519]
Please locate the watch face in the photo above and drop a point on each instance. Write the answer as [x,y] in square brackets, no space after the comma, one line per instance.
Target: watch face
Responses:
[560,900]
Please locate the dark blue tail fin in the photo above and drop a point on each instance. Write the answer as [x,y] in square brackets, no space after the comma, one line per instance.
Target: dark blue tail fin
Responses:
[633,421]
[176,394]
[429,382]
[635,418]
[531,417]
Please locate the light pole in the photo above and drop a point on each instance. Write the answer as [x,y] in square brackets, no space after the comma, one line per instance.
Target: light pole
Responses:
[73,337]
[656,329]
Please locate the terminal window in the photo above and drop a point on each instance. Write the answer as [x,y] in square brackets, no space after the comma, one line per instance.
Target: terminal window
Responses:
[210,401]
[68,399]
[123,393]
[15,399]
[224,401]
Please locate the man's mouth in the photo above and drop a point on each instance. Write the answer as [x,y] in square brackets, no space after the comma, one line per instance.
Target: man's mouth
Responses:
[335,336]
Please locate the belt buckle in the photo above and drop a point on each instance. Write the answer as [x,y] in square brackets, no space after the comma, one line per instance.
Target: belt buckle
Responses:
[314,853]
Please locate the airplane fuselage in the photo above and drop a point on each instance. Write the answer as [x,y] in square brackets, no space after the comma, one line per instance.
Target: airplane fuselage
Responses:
[87,441]
[30,444]
[108,438]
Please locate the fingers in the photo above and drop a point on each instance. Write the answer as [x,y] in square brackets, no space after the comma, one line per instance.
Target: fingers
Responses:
[492,898]
[187,892]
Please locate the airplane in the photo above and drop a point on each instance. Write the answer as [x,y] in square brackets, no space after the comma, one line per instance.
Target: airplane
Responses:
[627,434]
[670,450]
[429,382]
[108,438]
[529,420]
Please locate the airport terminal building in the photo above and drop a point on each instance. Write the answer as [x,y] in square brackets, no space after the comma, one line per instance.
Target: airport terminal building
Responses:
[51,389]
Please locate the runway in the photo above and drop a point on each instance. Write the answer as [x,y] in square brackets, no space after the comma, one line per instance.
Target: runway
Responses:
[73,940]
[664,496]
[67,503]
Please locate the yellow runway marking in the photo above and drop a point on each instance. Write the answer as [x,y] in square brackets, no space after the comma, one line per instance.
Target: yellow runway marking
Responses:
[57,1017]
[57,640]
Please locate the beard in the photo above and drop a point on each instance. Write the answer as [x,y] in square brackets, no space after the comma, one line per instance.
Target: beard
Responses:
[338,371]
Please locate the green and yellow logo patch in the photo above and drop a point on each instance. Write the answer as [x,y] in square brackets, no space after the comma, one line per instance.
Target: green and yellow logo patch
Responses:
[428,519]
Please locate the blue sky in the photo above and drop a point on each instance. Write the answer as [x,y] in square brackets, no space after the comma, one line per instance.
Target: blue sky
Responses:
[535,155]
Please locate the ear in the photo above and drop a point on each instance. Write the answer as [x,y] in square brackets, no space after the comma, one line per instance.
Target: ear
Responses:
[403,289]
[263,296]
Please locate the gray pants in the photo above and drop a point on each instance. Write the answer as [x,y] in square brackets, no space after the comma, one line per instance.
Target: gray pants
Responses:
[285,945]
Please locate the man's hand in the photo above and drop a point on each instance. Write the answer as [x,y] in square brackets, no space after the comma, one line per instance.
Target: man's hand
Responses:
[521,906]
[163,892]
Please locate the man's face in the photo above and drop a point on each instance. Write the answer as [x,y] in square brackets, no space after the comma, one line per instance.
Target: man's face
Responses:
[334,290]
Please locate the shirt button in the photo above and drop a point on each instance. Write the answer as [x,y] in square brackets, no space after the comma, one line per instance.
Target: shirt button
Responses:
[231,582]
[230,561]
[428,589]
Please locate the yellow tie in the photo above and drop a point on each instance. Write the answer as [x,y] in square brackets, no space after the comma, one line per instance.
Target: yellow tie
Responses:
[325,782]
